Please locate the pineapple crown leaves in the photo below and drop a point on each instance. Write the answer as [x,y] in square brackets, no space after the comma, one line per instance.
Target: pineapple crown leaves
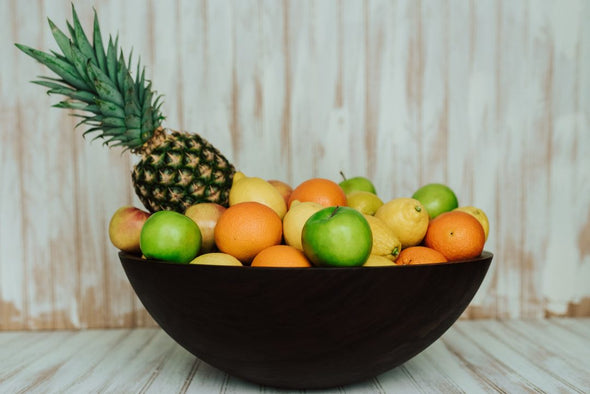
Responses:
[125,112]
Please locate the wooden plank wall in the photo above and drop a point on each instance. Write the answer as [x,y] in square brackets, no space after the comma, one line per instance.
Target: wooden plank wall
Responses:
[490,97]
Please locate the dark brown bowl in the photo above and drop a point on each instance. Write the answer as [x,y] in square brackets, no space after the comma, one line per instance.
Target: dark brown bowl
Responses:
[305,327]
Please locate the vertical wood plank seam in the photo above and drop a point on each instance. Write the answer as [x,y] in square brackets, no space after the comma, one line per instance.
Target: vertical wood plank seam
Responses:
[22,190]
[156,371]
[410,376]
[545,370]
[526,337]
[447,73]
[190,376]
[419,81]
[235,127]
[568,328]
[124,335]
[180,82]
[499,362]
[474,369]
[500,310]
[286,146]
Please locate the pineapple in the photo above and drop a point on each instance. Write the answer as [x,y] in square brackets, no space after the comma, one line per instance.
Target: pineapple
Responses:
[176,169]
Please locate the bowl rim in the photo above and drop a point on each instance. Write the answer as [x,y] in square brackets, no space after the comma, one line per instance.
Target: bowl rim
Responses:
[485,255]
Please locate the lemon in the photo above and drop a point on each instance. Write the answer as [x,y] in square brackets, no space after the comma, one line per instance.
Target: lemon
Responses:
[377,261]
[365,202]
[385,242]
[294,220]
[216,259]
[245,188]
[408,219]
[480,215]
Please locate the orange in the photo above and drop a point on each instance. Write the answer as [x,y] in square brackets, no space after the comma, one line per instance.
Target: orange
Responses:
[420,255]
[280,256]
[320,190]
[457,235]
[246,228]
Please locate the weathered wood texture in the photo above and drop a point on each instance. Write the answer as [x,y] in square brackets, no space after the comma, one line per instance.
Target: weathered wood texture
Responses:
[484,356]
[490,97]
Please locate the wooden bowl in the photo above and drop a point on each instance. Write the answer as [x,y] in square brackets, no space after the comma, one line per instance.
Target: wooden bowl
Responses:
[305,328]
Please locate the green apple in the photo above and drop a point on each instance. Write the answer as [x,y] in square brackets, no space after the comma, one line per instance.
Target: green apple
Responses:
[170,236]
[337,237]
[356,184]
[436,198]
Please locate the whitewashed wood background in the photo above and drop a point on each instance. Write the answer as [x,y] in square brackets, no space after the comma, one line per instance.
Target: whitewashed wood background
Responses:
[490,97]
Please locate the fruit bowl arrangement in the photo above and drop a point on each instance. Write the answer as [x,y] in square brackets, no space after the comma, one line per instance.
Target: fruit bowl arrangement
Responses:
[301,328]
[314,286]
[325,296]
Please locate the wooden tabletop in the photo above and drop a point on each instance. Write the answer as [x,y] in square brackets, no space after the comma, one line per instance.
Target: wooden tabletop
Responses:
[550,356]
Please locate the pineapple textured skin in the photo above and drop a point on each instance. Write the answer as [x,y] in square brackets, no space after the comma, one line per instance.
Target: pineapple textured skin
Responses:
[179,169]
[176,169]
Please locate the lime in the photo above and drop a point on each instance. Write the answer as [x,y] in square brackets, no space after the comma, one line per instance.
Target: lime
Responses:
[436,198]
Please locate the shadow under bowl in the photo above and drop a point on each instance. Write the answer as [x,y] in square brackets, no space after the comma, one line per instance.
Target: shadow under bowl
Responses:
[305,328]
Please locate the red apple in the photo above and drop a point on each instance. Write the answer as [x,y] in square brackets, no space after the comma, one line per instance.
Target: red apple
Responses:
[125,228]
[283,188]
[206,214]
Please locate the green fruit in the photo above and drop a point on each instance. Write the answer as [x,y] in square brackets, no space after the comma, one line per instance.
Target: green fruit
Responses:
[364,202]
[436,198]
[337,237]
[170,236]
[356,184]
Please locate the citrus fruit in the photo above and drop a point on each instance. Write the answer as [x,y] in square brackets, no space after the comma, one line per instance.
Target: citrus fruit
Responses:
[385,243]
[337,236]
[294,220]
[280,256]
[245,188]
[244,229]
[170,236]
[407,217]
[216,258]
[457,235]
[420,255]
[479,215]
[378,261]
[436,198]
[364,202]
[320,190]
[358,183]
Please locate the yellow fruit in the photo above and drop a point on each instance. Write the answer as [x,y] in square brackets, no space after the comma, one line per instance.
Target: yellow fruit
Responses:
[378,261]
[479,215]
[365,202]
[216,259]
[294,220]
[385,242]
[247,189]
[408,219]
